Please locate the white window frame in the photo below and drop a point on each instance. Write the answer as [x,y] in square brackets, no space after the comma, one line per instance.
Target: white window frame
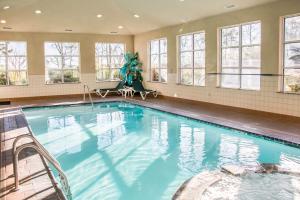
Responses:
[282,53]
[240,47]
[179,68]
[6,64]
[62,68]
[159,59]
[109,57]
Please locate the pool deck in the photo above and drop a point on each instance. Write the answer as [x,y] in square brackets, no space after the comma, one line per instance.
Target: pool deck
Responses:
[36,181]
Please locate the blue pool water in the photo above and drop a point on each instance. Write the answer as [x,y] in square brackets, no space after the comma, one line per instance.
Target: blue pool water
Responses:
[123,151]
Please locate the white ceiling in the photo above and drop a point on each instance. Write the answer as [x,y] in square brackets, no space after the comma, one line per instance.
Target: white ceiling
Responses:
[80,15]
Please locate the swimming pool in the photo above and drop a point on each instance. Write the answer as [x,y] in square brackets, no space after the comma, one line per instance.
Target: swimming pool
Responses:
[119,150]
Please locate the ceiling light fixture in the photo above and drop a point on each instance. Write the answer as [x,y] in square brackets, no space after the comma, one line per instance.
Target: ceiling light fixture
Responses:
[6,7]
[136,16]
[230,6]
[99,16]
[3,21]
[38,12]
[181,0]
[120,27]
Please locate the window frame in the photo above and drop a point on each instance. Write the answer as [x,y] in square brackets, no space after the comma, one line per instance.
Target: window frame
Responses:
[62,68]
[240,47]
[6,63]
[109,56]
[179,68]
[282,58]
[159,54]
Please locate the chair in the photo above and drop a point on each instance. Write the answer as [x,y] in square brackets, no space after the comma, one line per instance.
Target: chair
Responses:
[137,86]
[104,92]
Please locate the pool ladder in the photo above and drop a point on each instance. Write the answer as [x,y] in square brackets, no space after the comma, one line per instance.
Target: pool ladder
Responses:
[87,88]
[43,152]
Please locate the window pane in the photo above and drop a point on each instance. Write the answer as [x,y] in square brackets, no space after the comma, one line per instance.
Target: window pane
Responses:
[230,57]
[2,48]
[16,48]
[2,64]
[199,77]
[53,49]
[251,56]
[163,60]
[17,77]
[103,62]
[251,82]
[3,78]
[292,80]
[53,62]
[155,47]
[154,61]
[292,55]
[292,28]
[186,42]
[116,61]
[117,49]
[71,76]
[71,62]
[154,74]
[199,59]
[230,37]
[199,41]
[54,76]
[103,74]
[232,79]
[71,49]
[186,60]
[102,49]
[164,75]
[187,76]
[163,46]
[115,74]
[251,34]
[17,63]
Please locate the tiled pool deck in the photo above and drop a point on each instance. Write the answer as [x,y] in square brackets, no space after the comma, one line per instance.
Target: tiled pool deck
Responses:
[34,175]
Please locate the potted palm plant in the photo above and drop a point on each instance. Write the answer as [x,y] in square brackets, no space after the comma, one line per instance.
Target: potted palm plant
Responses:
[132,69]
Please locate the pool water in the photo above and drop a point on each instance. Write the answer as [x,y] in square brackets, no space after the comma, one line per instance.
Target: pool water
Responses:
[123,151]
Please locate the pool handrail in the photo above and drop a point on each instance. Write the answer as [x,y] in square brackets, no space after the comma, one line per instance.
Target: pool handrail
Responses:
[43,152]
[86,87]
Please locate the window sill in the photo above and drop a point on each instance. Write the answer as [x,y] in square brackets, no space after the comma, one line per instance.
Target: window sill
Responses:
[180,84]
[157,82]
[253,90]
[75,83]
[108,81]
[15,85]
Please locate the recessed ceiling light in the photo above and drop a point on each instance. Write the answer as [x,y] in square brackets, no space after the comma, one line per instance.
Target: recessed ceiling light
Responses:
[230,6]
[38,12]
[99,16]
[6,7]
[136,16]
[120,27]
[181,0]
[2,21]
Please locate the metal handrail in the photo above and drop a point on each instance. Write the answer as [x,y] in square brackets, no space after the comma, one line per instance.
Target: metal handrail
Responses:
[42,151]
[89,93]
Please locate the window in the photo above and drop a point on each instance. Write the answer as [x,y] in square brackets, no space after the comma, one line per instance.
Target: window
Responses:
[192,59]
[109,60]
[291,60]
[13,63]
[240,56]
[62,61]
[159,60]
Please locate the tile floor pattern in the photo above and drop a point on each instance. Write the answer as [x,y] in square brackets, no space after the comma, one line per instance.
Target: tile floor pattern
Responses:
[36,183]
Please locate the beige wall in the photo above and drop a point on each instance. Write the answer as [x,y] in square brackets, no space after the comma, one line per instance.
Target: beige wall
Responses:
[36,63]
[268,98]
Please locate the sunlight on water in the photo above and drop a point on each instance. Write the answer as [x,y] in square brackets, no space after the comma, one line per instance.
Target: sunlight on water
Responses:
[122,151]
